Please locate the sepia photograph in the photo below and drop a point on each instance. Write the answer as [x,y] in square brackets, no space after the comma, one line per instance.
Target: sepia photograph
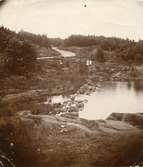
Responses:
[71,83]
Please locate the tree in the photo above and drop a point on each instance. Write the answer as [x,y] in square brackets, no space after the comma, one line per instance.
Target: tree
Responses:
[20,57]
[100,55]
[40,40]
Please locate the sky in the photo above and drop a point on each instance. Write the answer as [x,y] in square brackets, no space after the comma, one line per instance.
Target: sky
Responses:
[61,18]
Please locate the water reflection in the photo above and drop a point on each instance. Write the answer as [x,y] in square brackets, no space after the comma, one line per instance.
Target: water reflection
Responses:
[138,86]
[120,97]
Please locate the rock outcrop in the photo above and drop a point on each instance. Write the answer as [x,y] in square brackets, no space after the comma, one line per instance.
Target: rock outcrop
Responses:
[130,118]
[41,141]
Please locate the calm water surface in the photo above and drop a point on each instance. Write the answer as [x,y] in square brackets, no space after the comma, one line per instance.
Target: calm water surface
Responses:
[119,97]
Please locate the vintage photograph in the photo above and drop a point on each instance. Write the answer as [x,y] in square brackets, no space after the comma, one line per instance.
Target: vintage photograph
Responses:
[71,83]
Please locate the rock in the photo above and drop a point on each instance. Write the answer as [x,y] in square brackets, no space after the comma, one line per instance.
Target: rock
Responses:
[24,113]
[54,141]
[62,126]
[71,115]
[133,119]
[24,97]
[87,88]
[73,109]
[80,104]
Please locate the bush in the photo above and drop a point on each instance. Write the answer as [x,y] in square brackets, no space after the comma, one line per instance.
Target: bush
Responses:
[17,56]
[100,55]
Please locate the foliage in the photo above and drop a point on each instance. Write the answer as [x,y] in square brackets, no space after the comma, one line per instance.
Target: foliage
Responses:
[133,53]
[127,50]
[40,40]
[110,43]
[100,55]
[17,56]
[56,41]
[20,57]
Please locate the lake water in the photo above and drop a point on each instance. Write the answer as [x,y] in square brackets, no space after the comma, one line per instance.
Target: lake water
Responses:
[119,97]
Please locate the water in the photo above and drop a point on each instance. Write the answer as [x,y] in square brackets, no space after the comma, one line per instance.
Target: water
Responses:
[43,58]
[119,97]
[65,53]
[56,99]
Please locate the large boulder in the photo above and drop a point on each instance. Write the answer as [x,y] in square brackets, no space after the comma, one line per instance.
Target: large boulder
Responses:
[131,118]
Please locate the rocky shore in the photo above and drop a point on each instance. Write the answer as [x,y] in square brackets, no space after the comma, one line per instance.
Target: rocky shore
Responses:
[112,69]
[52,134]
[42,140]
[36,132]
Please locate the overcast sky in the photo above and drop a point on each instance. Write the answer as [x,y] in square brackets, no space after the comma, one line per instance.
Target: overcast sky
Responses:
[60,18]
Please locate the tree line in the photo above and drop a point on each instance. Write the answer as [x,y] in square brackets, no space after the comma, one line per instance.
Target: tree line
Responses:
[37,39]
[127,50]
[106,43]
[133,53]
[17,52]
[17,56]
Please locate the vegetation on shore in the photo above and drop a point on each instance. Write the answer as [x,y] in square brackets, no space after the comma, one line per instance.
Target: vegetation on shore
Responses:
[17,56]
[21,96]
[127,50]
[17,51]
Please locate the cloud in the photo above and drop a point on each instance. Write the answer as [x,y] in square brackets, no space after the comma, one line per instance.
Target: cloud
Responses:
[64,17]
[140,2]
